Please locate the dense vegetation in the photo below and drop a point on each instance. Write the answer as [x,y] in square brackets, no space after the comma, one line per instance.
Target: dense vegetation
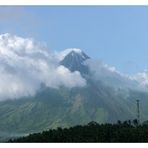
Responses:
[126,131]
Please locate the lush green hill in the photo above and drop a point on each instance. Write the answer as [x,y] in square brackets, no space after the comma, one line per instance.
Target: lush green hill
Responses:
[53,108]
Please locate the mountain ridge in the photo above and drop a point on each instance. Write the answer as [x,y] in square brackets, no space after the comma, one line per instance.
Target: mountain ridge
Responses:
[64,107]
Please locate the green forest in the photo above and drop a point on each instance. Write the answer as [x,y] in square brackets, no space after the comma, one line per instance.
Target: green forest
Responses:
[127,131]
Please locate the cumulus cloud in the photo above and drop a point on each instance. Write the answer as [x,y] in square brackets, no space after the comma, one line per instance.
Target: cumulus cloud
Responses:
[26,64]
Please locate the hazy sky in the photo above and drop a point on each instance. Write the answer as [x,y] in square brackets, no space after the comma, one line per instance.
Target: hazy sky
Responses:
[116,35]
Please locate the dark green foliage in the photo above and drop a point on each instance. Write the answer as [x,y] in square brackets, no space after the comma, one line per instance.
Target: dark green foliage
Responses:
[92,132]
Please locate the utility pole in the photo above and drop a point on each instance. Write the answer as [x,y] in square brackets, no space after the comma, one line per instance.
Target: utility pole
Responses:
[138,112]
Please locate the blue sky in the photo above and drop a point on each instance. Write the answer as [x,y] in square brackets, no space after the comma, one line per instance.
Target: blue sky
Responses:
[117,35]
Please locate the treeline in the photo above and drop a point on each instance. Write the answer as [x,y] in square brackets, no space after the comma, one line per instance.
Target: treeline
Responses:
[127,131]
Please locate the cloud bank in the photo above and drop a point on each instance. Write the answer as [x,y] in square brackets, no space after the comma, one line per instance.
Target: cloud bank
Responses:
[26,64]
[142,78]
[110,76]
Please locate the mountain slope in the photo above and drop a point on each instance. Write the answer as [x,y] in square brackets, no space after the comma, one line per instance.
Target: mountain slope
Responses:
[64,107]
[53,108]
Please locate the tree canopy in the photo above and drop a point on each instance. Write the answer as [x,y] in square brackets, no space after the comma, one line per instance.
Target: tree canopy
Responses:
[127,131]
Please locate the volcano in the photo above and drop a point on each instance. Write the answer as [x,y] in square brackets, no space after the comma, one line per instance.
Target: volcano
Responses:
[64,107]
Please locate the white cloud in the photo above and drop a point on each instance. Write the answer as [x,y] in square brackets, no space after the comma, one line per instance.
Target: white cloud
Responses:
[25,64]
[68,78]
